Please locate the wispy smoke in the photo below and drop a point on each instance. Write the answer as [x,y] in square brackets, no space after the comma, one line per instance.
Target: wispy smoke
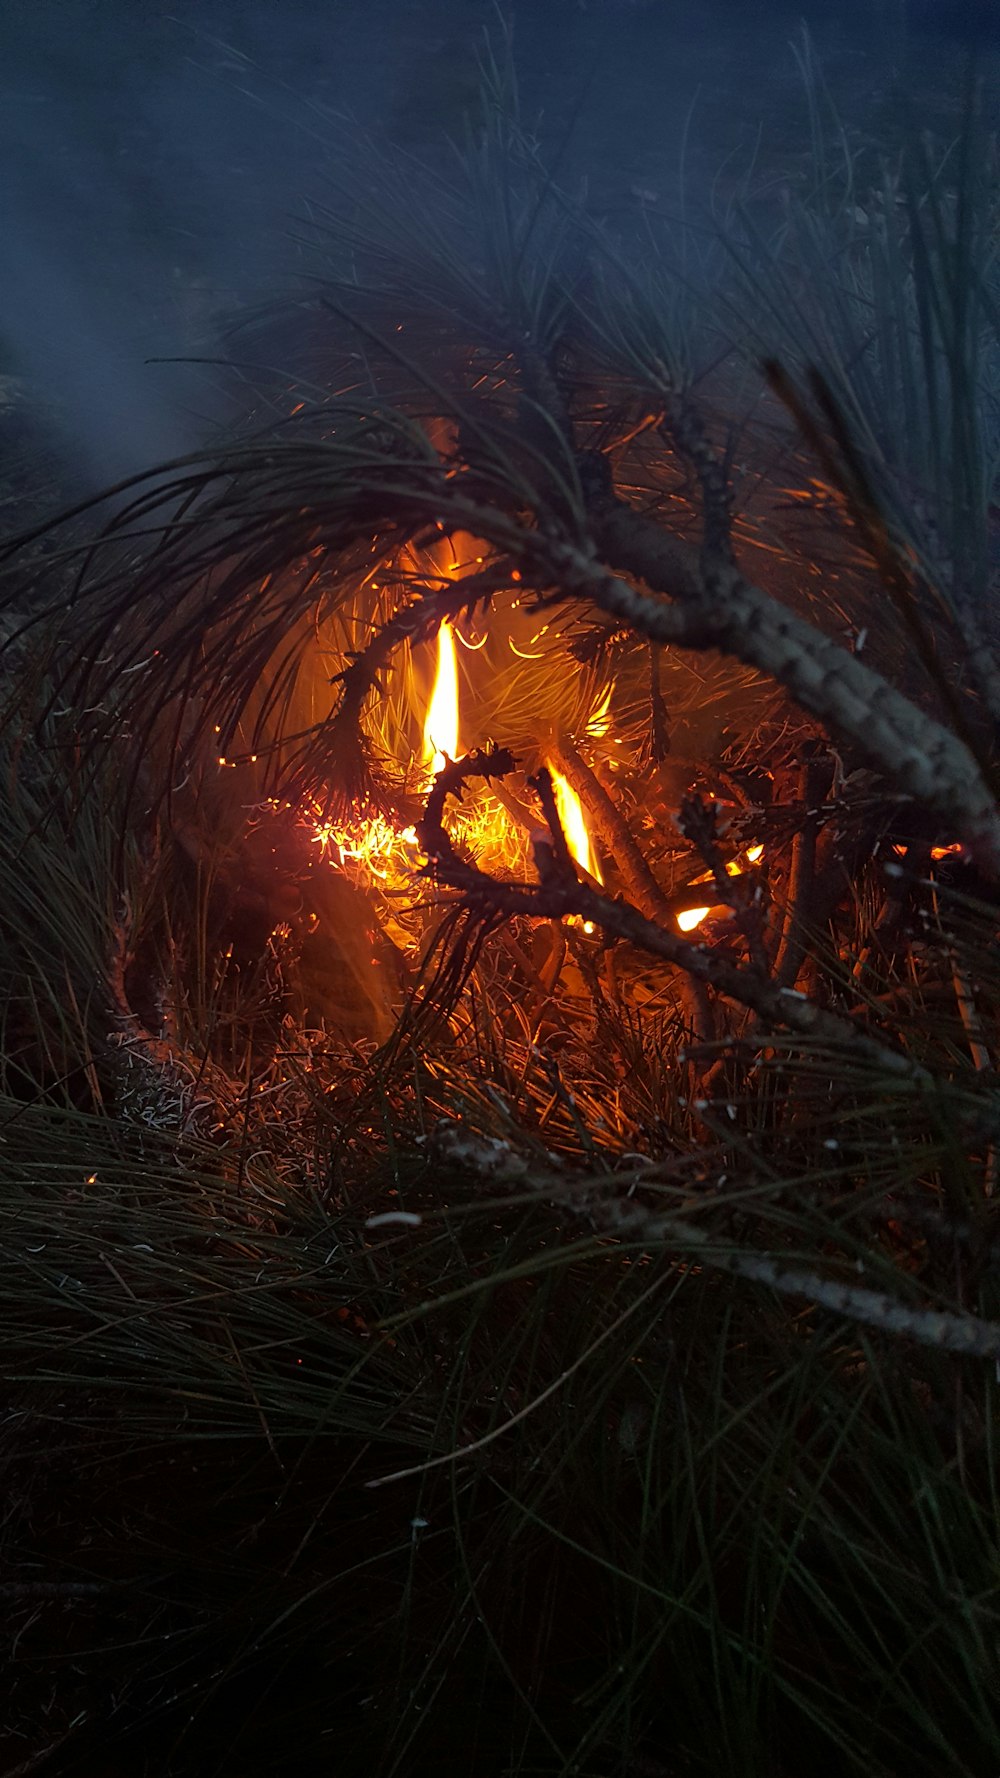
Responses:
[150,163]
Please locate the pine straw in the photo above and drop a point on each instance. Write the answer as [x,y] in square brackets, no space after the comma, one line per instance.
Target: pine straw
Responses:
[554,1385]
[733,1514]
[530,1384]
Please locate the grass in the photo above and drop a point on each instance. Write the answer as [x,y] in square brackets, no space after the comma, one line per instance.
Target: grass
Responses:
[555,1384]
[738,1532]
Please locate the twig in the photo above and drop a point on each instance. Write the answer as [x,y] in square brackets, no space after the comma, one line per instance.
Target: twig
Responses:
[630,1220]
[683,423]
[562,866]
[35,1761]
[743,893]
[54,1589]
[659,730]
[560,893]
[814,783]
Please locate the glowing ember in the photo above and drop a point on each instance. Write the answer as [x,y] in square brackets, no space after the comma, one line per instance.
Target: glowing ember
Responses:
[441,721]
[936,851]
[370,842]
[574,824]
[754,854]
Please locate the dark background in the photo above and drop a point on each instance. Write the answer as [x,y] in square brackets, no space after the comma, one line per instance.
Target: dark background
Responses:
[153,157]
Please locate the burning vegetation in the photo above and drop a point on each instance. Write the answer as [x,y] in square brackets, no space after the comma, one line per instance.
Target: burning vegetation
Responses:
[509,848]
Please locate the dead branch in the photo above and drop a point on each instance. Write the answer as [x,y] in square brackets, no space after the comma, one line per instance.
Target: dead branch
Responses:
[815,775]
[919,756]
[560,893]
[592,1201]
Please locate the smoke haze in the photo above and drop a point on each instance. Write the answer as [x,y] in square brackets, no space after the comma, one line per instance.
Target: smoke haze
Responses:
[153,160]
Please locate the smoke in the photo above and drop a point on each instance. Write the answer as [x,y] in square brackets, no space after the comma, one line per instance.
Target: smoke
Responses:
[151,166]
[152,163]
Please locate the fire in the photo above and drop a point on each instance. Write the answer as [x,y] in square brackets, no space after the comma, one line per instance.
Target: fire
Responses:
[574,824]
[441,721]
[599,720]
[937,852]
[371,842]
[692,917]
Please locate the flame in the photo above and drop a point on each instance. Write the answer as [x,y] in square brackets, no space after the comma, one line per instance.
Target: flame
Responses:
[692,917]
[936,851]
[736,866]
[600,717]
[574,824]
[441,721]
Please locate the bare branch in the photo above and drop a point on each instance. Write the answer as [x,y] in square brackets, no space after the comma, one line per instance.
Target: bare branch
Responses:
[562,893]
[919,756]
[592,1201]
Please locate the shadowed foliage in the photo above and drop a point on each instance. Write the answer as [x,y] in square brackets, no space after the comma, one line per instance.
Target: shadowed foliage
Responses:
[460,1316]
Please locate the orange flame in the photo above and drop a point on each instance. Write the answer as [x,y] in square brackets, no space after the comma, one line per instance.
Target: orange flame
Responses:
[574,824]
[441,721]
[692,917]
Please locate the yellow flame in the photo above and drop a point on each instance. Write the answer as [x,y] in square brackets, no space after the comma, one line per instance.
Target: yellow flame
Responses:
[441,721]
[692,917]
[574,824]
[754,853]
[600,717]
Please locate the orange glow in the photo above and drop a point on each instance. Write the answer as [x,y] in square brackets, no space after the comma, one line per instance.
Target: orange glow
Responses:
[936,851]
[369,841]
[574,824]
[600,717]
[441,721]
[692,917]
